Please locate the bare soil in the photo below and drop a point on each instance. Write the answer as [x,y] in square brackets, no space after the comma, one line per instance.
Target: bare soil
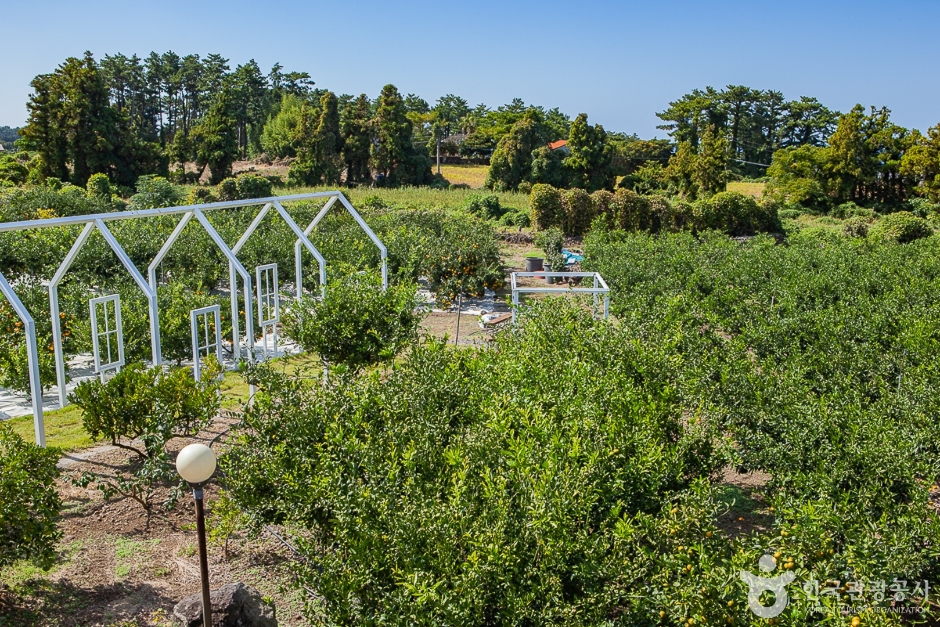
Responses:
[119,567]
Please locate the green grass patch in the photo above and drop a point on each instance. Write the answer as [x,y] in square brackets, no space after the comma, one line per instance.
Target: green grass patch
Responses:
[63,428]
[417,197]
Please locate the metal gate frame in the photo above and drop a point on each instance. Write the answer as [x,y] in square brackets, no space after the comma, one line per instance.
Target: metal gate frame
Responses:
[383,251]
[268,303]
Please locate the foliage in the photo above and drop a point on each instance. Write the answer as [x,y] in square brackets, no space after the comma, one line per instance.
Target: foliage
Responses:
[856,226]
[395,159]
[589,164]
[735,214]
[512,160]
[29,501]
[356,323]
[12,171]
[545,203]
[154,192]
[484,206]
[215,137]
[149,405]
[901,227]
[755,123]
[439,489]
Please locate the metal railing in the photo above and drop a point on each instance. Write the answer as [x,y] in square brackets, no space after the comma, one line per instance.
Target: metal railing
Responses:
[600,287]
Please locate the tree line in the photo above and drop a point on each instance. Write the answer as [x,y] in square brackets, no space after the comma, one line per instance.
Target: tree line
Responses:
[126,116]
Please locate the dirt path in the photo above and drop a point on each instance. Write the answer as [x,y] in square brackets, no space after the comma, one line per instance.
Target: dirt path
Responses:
[117,568]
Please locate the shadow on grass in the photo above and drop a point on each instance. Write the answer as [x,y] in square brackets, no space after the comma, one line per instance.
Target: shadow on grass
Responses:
[40,603]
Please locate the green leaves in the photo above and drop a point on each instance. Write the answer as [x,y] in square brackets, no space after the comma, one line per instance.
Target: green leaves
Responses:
[356,323]
[29,502]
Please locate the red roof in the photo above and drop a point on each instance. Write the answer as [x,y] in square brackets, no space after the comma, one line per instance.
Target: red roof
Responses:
[556,145]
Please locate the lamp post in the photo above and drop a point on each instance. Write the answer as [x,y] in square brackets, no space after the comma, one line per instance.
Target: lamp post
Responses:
[195,464]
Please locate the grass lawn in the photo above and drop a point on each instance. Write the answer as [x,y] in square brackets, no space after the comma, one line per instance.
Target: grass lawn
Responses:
[747,188]
[465,174]
[416,197]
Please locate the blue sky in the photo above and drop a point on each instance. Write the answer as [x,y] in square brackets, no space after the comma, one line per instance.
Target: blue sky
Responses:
[620,62]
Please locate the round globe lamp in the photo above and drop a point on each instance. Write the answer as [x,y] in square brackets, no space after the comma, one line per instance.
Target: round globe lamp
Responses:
[196,465]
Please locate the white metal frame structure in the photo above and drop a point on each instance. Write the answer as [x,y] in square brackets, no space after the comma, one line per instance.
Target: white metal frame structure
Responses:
[188,212]
[32,356]
[96,223]
[269,307]
[103,366]
[200,318]
[600,287]
[362,224]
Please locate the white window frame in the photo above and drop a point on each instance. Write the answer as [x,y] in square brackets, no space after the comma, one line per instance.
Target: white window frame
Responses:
[118,331]
[269,307]
[200,318]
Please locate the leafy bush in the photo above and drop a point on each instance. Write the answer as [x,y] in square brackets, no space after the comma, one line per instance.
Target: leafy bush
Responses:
[252,186]
[148,404]
[99,187]
[923,207]
[735,214]
[154,192]
[12,171]
[901,227]
[199,195]
[432,500]
[789,214]
[357,323]
[855,226]
[578,211]
[29,501]
[545,206]
[484,206]
[48,201]
[227,189]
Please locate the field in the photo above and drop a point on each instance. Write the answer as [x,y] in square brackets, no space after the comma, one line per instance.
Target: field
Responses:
[747,397]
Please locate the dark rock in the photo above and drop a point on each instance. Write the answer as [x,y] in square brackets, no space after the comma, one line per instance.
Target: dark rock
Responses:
[233,605]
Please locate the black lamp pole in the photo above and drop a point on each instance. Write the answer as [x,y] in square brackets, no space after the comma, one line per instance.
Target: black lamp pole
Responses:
[203,556]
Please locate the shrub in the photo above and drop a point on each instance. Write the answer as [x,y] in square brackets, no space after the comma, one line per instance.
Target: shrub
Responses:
[545,206]
[631,211]
[155,192]
[432,500]
[227,189]
[922,207]
[578,211]
[789,214]
[521,219]
[252,186]
[199,195]
[855,226]
[357,323]
[29,501]
[12,172]
[99,187]
[484,206]
[901,227]
[149,405]
[735,214]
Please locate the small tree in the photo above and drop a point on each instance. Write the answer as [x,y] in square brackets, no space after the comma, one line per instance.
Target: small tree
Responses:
[356,324]
[150,406]
[29,502]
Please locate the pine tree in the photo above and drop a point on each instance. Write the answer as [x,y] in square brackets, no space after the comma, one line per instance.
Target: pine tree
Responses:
[357,141]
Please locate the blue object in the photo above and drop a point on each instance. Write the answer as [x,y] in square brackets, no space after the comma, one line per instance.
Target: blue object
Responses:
[570,257]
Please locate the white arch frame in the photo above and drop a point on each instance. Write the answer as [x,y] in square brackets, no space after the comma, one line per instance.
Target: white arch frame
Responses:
[98,221]
[383,251]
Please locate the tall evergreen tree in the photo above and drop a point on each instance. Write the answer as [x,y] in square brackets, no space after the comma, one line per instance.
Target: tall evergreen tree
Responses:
[215,137]
[357,141]
[393,155]
[590,158]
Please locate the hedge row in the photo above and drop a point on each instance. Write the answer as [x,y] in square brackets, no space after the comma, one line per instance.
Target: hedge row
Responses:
[573,211]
